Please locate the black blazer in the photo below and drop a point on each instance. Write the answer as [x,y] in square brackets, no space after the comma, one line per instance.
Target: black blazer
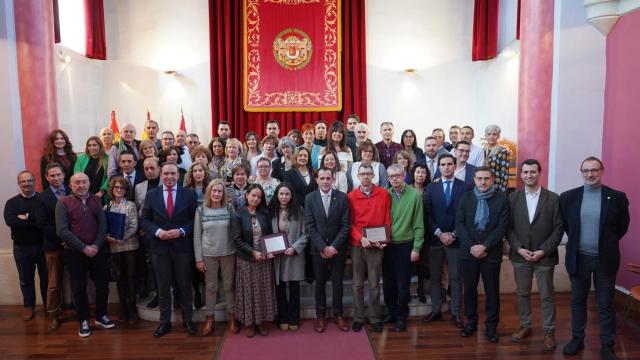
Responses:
[436,213]
[300,187]
[495,231]
[614,223]
[242,231]
[278,168]
[468,175]
[332,230]
[46,220]
[154,217]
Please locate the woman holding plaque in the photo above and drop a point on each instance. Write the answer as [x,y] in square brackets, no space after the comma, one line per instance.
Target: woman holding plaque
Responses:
[215,252]
[255,300]
[287,217]
[123,250]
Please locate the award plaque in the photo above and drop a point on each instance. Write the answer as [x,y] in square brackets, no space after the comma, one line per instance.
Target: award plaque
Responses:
[379,234]
[274,244]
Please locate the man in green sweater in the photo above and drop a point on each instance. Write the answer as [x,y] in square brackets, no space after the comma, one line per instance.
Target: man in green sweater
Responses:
[407,236]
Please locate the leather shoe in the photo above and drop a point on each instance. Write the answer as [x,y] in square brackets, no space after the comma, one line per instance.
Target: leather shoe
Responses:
[356,326]
[469,330]
[549,342]
[342,323]
[54,324]
[524,332]
[263,330]
[28,313]
[456,320]
[250,331]
[377,327]
[576,344]
[492,336]
[162,329]
[432,317]
[321,324]
[400,326]
[606,353]
[190,327]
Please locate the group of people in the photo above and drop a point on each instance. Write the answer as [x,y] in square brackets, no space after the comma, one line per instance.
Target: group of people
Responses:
[198,209]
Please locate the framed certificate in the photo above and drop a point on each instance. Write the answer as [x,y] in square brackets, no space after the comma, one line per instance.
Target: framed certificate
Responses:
[274,244]
[377,233]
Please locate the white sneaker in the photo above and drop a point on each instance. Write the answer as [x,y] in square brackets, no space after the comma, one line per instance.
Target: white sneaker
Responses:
[105,322]
[84,330]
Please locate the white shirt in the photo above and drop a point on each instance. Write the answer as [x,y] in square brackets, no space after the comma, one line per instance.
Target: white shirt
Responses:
[461,172]
[476,157]
[532,202]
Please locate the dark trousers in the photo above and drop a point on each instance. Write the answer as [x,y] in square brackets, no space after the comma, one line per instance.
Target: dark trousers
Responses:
[322,269]
[167,266]
[588,268]
[490,272]
[396,279]
[79,265]
[27,258]
[125,262]
[288,307]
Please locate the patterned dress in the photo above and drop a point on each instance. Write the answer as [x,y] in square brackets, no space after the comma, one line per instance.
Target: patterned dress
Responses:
[255,287]
[269,187]
[498,160]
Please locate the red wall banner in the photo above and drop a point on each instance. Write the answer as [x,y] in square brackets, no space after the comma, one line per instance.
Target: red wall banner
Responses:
[292,55]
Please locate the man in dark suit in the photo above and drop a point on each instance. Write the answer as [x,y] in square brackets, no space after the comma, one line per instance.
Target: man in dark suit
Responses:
[127,163]
[326,213]
[52,243]
[431,156]
[464,170]
[482,220]
[595,218]
[168,213]
[535,231]
[441,201]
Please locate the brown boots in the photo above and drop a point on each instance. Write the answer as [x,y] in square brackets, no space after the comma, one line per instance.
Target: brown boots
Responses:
[234,327]
[209,326]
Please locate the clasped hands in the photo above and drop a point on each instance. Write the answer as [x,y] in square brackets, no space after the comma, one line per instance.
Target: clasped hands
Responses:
[90,250]
[258,256]
[531,256]
[169,234]
[478,251]
[328,252]
[446,238]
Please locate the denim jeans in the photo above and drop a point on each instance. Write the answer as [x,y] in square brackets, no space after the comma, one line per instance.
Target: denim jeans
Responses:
[588,268]
[27,258]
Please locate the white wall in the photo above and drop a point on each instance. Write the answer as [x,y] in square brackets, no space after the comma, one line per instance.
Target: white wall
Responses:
[577,108]
[144,38]
[435,38]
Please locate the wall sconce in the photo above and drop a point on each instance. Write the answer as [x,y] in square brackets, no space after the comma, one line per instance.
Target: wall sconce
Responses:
[63,56]
[409,72]
[170,72]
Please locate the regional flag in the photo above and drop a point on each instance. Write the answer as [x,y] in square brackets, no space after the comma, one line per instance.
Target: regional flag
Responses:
[114,127]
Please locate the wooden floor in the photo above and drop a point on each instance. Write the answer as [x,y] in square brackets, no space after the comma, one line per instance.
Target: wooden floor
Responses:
[440,340]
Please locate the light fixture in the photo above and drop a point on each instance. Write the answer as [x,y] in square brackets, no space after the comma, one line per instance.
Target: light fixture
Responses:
[62,55]
[170,72]
[409,71]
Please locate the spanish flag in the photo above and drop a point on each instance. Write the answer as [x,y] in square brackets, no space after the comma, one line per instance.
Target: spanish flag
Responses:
[144,136]
[114,127]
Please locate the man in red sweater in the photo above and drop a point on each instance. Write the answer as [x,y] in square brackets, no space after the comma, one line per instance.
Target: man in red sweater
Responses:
[370,206]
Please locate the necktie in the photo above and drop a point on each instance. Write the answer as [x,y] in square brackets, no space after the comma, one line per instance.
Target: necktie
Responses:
[432,168]
[325,203]
[130,180]
[447,192]
[59,193]
[169,202]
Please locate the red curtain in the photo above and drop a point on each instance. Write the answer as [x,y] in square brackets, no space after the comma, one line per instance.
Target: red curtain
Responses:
[94,23]
[225,32]
[485,30]
[56,22]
